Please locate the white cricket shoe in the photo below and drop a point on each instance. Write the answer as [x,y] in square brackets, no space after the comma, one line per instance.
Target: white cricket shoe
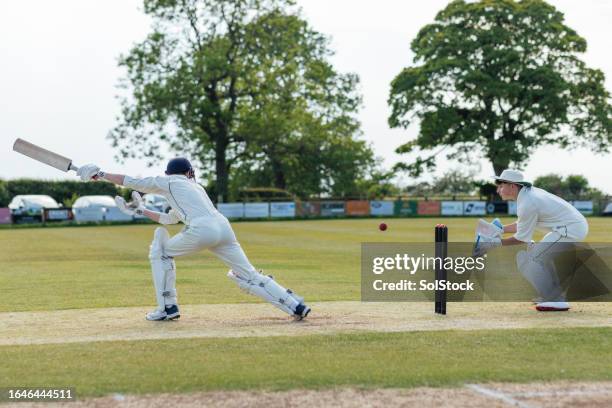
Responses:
[552,307]
[301,311]
[172,312]
[157,315]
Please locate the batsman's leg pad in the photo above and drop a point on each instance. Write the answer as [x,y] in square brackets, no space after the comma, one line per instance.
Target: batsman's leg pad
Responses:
[159,265]
[170,293]
[266,288]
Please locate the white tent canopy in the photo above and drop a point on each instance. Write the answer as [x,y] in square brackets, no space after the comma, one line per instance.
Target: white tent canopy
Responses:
[94,201]
[96,209]
[37,200]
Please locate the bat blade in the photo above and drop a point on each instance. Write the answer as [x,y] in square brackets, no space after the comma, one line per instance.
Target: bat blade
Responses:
[43,155]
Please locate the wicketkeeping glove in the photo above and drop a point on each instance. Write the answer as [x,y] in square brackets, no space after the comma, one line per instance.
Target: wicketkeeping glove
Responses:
[484,244]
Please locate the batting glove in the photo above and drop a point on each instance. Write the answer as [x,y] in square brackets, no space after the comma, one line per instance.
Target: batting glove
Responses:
[88,172]
[137,203]
[123,206]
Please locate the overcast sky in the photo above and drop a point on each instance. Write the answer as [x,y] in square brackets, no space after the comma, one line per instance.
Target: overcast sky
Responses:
[58,75]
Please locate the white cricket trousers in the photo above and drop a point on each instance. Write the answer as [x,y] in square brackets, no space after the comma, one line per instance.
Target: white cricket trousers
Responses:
[570,233]
[537,263]
[215,234]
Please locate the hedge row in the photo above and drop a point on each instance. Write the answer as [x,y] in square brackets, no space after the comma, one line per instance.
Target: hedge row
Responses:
[61,191]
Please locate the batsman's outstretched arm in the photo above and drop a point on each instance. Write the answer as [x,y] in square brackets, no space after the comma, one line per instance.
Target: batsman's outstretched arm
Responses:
[113,178]
[90,172]
[155,185]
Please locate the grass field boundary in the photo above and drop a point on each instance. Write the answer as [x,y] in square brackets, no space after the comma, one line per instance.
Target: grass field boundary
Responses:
[67,224]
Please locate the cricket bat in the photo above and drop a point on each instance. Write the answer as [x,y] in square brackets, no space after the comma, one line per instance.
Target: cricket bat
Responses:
[44,156]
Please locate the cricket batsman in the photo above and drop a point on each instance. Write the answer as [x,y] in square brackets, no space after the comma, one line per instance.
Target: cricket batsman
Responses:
[537,209]
[205,228]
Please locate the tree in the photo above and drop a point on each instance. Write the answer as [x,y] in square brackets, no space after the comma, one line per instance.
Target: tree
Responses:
[303,135]
[378,185]
[419,189]
[573,187]
[499,78]
[487,189]
[454,182]
[232,82]
[577,185]
[451,183]
[308,164]
[552,183]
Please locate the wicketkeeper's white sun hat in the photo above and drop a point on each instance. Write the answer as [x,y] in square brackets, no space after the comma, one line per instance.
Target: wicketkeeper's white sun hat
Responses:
[513,176]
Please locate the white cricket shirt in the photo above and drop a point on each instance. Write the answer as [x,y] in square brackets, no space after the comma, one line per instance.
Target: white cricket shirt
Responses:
[187,198]
[537,208]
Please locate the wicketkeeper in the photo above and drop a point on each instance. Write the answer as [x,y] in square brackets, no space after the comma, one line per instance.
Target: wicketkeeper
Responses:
[205,228]
[537,209]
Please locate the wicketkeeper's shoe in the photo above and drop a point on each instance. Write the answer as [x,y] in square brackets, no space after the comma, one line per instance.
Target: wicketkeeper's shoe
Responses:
[157,315]
[172,312]
[301,311]
[552,307]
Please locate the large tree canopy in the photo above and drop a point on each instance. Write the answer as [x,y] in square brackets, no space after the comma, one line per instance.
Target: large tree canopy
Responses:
[301,134]
[235,83]
[499,78]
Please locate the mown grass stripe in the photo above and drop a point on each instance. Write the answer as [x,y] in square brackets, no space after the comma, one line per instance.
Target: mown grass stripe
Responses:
[445,358]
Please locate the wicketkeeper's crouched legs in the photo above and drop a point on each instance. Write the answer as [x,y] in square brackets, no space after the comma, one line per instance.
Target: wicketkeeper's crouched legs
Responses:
[549,265]
[255,283]
[542,275]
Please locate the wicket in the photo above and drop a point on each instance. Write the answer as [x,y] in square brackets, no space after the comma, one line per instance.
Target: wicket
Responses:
[441,235]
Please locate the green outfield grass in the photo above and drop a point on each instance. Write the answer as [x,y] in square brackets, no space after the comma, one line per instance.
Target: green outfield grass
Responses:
[365,360]
[47,269]
[107,266]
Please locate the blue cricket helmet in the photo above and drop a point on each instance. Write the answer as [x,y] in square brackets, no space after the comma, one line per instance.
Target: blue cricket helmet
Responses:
[179,165]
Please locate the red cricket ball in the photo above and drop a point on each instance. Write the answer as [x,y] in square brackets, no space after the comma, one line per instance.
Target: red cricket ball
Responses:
[382,226]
